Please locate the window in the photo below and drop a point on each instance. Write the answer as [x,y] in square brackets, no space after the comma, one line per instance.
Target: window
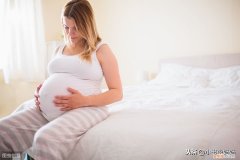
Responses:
[23,45]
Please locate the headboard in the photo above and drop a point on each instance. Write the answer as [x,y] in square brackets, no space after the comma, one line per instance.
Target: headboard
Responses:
[206,61]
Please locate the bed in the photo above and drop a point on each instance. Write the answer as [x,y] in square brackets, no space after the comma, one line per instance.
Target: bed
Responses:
[191,110]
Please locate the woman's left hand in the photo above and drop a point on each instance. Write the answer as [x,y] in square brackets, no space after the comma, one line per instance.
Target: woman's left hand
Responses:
[72,101]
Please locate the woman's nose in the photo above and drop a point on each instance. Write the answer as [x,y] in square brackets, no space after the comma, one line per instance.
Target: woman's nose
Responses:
[71,31]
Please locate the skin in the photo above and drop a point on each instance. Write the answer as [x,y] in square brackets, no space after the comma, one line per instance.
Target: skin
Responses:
[109,66]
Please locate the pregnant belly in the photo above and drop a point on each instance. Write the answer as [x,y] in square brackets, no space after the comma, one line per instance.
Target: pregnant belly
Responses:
[57,84]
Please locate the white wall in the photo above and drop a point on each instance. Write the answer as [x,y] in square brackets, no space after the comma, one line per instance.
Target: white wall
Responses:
[52,19]
[142,31]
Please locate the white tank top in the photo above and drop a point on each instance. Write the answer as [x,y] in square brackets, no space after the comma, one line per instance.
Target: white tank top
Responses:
[74,65]
[69,71]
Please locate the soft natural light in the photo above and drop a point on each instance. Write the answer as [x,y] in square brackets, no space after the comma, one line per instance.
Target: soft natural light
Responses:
[23,43]
[9,18]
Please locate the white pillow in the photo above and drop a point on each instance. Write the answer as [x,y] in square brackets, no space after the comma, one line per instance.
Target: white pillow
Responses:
[187,76]
[226,77]
[199,77]
[182,76]
[173,74]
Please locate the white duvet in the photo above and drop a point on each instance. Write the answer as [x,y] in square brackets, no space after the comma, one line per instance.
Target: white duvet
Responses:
[156,135]
[155,122]
[161,97]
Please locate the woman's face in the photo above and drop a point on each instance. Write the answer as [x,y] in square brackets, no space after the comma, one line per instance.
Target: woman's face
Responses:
[73,35]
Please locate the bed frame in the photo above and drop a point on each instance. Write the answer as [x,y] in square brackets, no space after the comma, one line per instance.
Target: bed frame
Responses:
[206,61]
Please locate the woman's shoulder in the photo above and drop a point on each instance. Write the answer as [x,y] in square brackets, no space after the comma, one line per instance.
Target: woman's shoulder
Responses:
[101,47]
[104,52]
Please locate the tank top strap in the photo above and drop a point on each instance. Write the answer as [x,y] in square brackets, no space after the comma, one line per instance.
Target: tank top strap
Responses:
[100,44]
[59,49]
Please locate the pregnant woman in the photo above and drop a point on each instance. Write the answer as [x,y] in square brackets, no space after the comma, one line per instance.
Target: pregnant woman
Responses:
[70,101]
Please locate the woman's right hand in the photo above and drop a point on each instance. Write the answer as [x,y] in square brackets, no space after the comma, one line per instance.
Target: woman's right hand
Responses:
[36,95]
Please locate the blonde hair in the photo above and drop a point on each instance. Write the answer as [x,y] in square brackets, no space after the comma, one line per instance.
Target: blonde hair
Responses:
[82,13]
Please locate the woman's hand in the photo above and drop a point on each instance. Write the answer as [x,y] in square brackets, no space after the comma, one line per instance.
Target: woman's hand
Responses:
[36,95]
[72,101]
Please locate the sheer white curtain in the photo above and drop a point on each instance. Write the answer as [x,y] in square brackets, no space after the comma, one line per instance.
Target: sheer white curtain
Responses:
[23,51]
